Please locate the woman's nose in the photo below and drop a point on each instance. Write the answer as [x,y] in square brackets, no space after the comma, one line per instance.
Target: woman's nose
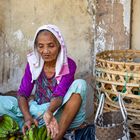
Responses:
[46,50]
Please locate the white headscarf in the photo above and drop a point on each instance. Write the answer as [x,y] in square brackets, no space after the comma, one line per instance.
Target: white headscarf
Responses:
[36,62]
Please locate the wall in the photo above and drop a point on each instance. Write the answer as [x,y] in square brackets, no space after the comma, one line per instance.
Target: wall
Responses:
[135,44]
[20,19]
[112,25]
[94,26]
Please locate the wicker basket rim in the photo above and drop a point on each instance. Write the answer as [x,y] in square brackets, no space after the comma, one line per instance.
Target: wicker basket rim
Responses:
[116,62]
[117,51]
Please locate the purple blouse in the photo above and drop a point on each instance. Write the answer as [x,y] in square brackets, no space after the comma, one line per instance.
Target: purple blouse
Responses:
[60,89]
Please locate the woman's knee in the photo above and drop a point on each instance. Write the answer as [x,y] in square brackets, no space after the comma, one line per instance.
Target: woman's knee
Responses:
[80,87]
[80,83]
[75,98]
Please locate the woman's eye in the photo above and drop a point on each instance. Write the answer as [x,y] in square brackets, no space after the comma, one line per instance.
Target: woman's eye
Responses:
[40,46]
[51,45]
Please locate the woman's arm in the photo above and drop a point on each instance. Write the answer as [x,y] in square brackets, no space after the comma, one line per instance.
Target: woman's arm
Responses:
[23,94]
[57,98]
[50,120]
[24,107]
[62,87]
[24,91]
[54,104]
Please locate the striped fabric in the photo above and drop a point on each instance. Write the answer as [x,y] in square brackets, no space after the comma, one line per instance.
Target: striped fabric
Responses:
[44,88]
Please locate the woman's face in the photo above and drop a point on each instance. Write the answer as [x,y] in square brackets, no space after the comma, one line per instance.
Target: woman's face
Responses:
[47,46]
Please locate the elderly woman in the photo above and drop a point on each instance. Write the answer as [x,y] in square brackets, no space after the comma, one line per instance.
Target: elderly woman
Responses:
[51,72]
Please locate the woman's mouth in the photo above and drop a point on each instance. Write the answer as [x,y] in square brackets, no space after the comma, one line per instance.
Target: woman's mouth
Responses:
[46,56]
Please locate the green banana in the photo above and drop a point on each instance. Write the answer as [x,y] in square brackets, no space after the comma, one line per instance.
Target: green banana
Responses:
[36,133]
[5,126]
[25,137]
[3,130]
[48,137]
[31,134]
[3,135]
[15,126]
[8,125]
[9,120]
[27,134]
[12,124]
[40,131]
[44,135]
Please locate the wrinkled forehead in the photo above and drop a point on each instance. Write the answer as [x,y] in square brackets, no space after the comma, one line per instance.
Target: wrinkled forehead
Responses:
[45,32]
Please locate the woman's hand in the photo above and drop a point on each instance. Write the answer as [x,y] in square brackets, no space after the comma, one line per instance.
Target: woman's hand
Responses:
[51,124]
[28,123]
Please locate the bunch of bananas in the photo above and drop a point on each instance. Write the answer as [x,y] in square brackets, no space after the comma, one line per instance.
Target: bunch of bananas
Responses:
[35,133]
[7,127]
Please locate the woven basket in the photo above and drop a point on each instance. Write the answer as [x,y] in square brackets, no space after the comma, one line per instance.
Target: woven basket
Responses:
[118,71]
[119,60]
